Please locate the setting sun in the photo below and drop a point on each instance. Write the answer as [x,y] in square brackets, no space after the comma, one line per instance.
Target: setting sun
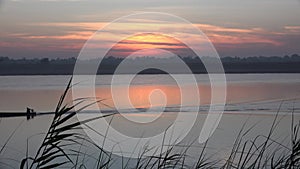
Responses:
[147,41]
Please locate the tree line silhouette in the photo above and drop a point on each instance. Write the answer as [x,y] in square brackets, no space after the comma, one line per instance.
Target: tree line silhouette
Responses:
[64,66]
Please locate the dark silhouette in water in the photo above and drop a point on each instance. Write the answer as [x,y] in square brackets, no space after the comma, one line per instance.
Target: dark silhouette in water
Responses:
[30,114]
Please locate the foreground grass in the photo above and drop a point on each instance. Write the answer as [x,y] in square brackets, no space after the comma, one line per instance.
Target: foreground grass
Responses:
[66,146]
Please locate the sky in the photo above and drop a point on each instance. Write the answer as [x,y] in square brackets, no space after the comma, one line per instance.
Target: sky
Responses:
[60,28]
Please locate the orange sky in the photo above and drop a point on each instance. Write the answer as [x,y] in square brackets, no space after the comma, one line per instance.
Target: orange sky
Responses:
[60,28]
[148,41]
[221,37]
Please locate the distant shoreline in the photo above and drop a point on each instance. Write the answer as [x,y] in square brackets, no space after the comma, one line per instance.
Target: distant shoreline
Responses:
[231,65]
[108,69]
[151,73]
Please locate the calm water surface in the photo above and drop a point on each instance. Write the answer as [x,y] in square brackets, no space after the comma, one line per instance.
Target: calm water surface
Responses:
[252,98]
[42,92]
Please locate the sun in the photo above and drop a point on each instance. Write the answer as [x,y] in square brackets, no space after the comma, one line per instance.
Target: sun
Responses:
[144,41]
